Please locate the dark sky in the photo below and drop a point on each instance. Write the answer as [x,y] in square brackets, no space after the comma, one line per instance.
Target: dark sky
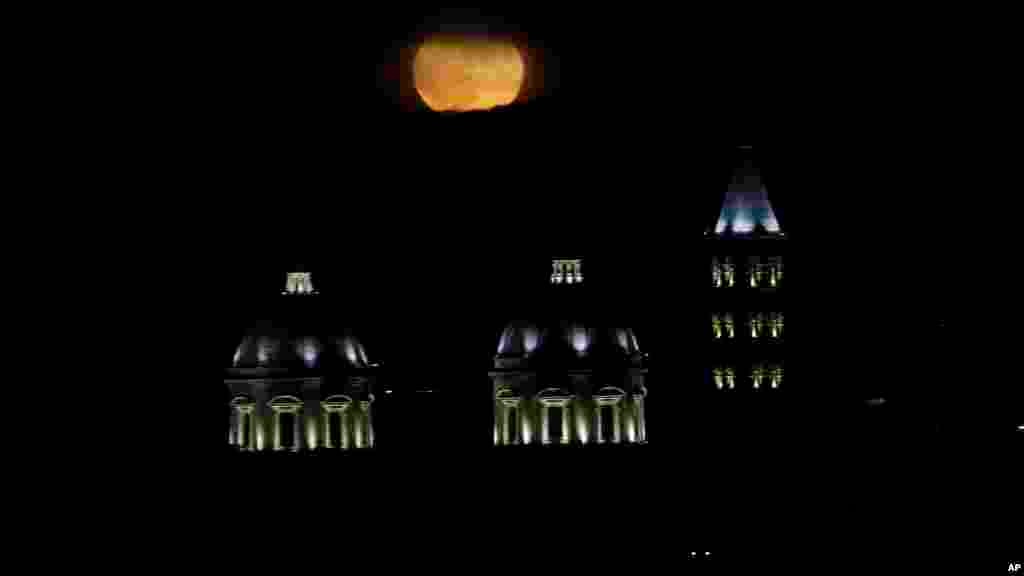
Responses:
[309,152]
[298,145]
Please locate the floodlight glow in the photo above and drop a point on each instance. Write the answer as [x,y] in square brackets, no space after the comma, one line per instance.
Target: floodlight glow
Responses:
[620,335]
[308,350]
[746,204]
[580,340]
[530,339]
[350,351]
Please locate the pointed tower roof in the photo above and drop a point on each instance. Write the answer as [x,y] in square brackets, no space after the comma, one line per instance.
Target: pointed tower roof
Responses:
[746,202]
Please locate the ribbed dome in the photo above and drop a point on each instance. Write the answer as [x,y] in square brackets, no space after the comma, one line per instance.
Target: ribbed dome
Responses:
[274,347]
[299,332]
[579,339]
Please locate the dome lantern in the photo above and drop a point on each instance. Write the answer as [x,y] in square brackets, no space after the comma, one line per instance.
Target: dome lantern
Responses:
[299,283]
[566,271]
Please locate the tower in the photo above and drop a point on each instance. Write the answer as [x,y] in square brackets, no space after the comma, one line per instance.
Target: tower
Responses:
[746,253]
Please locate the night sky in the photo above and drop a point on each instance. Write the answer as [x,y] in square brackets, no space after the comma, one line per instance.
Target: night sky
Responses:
[433,231]
[315,150]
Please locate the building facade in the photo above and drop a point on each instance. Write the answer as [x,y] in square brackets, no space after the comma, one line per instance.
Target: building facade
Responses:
[564,373]
[297,383]
[567,377]
[746,290]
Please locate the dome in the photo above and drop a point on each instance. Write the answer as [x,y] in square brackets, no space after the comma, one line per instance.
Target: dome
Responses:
[297,332]
[274,347]
[568,338]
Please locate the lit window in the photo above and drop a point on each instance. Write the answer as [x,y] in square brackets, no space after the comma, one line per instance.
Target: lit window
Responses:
[775,324]
[755,271]
[756,325]
[773,270]
[776,377]
[730,326]
[716,326]
[723,272]
[724,378]
[757,375]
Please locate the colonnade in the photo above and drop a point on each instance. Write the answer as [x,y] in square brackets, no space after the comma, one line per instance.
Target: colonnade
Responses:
[519,421]
[251,428]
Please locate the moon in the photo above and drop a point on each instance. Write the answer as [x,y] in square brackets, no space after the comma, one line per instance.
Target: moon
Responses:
[454,74]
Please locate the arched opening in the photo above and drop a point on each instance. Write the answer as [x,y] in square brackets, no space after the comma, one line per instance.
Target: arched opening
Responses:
[286,422]
[286,433]
[242,429]
[607,423]
[334,424]
[555,424]
[241,422]
[513,425]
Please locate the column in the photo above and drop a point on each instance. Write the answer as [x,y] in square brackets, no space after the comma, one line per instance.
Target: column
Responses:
[310,427]
[369,425]
[530,422]
[247,434]
[637,435]
[277,430]
[617,422]
[297,425]
[545,437]
[565,424]
[598,436]
[504,424]
[643,421]
[628,423]
[241,432]
[357,426]
[325,422]
[343,422]
[258,415]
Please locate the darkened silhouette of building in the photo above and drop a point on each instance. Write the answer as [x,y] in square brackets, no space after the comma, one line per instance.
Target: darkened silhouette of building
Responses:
[568,376]
[299,382]
[746,299]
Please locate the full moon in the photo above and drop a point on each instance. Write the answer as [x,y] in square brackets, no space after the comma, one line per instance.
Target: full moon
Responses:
[463,74]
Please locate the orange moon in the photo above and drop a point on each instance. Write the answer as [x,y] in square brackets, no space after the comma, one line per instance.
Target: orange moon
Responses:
[464,74]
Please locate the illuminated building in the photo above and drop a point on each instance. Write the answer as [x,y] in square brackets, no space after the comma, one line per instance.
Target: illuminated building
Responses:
[299,384]
[567,377]
[746,289]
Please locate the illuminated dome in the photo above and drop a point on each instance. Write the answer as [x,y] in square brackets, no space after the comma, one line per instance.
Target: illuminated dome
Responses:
[298,333]
[277,347]
[576,377]
[566,338]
